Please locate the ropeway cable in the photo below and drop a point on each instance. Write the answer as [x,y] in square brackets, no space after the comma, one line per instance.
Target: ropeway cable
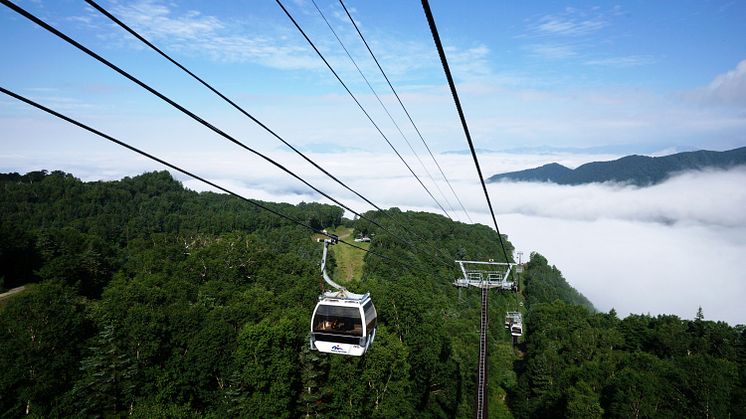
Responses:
[385,108]
[187,112]
[190,174]
[134,33]
[406,111]
[361,107]
[454,93]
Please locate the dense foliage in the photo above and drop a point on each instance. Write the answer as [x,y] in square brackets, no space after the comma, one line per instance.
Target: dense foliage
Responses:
[149,296]
[151,300]
[583,364]
[146,299]
[636,170]
[544,283]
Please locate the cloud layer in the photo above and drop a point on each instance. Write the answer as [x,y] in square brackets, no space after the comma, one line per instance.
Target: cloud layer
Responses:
[639,267]
[704,197]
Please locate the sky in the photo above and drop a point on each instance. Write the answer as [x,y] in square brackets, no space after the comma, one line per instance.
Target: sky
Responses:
[540,82]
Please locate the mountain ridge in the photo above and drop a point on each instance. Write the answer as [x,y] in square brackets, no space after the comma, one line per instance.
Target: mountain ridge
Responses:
[634,169]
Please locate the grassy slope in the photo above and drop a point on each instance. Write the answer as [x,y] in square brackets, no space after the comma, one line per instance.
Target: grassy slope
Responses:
[349,260]
[6,296]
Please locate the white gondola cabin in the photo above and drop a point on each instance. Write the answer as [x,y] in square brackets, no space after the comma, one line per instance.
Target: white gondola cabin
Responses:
[514,323]
[343,323]
[516,330]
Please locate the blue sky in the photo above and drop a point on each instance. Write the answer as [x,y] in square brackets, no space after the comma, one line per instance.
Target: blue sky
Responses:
[645,75]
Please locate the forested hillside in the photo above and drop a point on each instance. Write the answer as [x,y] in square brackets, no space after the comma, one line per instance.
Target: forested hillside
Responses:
[158,301]
[149,300]
[584,364]
[636,170]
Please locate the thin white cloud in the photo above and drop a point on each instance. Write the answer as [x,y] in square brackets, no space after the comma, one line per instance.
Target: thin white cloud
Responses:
[573,34]
[43,89]
[159,20]
[623,61]
[194,33]
[276,44]
[470,63]
[552,51]
[58,100]
[726,89]
[571,22]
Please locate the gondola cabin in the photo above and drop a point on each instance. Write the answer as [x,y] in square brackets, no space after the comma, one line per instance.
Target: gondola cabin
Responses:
[514,323]
[343,323]
[516,329]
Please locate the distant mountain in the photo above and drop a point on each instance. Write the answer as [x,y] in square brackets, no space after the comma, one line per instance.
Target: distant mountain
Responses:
[635,169]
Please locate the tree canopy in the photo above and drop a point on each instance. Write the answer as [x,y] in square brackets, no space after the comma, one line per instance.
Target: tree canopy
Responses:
[146,299]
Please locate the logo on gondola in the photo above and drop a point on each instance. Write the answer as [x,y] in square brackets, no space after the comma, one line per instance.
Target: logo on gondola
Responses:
[337,348]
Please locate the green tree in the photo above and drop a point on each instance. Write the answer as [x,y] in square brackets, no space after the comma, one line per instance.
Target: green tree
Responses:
[640,388]
[386,374]
[19,257]
[81,260]
[266,362]
[315,394]
[706,384]
[42,333]
[107,385]
[583,402]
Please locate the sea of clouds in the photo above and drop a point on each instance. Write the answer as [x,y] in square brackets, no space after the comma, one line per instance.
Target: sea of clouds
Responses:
[666,248]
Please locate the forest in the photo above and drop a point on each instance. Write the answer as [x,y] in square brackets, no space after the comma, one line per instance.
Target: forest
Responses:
[145,299]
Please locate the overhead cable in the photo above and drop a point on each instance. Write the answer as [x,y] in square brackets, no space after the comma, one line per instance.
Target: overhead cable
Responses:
[385,108]
[362,108]
[258,122]
[454,93]
[405,110]
[187,112]
[186,172]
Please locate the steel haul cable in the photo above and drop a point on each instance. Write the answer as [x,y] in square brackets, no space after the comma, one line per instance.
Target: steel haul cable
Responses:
[187,112]
[361,107]
[385,108]
[396,94]
[184,171]
[454,93]
[134,33]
